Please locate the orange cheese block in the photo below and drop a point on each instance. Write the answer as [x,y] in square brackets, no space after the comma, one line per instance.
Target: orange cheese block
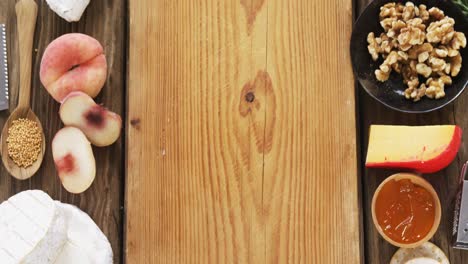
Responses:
[424,149]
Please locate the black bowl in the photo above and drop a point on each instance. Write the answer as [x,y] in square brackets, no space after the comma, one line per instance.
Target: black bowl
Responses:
[390,93]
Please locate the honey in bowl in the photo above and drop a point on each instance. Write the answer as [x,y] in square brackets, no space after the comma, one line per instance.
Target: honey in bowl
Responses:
[406,210]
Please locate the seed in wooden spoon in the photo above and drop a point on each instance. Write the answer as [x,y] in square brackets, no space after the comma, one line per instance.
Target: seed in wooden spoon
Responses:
[24,142]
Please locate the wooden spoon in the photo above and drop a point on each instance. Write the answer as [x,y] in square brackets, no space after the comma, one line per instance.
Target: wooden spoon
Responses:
[26,13]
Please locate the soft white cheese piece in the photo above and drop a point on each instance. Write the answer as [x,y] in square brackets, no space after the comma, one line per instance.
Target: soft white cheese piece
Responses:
[70,10]
[422,261]
[426,253]
[86,243]
[32,229]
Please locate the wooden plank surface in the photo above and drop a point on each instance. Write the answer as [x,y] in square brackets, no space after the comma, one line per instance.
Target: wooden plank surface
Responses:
[444,182]
[241,133]
[104,20]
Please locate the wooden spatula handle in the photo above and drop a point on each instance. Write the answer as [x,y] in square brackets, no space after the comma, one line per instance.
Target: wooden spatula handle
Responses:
[26,15]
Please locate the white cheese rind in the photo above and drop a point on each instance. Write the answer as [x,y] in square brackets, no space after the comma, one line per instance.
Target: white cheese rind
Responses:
[49,249]
[421,254]
[86,243]
[422,261]
[70,10]
[28,229]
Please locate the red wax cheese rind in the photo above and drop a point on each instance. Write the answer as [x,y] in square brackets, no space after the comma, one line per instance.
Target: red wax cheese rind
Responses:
[424,149]
[73,62]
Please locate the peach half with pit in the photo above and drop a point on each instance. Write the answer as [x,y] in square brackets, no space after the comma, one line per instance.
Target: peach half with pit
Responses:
[73,62]
[74,159]
[101,126]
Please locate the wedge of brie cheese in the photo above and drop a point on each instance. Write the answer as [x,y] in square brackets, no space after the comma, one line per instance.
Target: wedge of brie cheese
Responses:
[86,244]
[70,10]
[32,229]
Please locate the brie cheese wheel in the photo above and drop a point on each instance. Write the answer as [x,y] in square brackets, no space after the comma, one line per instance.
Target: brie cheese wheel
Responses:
[32,229]
[86,243]
[422,261]
[426,253]
[70,10]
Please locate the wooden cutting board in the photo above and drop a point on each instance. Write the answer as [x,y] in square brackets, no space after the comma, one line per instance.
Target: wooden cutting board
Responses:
[241,135]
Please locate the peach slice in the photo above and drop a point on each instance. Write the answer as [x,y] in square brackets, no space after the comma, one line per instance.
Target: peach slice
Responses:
[424,149]
[73,62]
[74,159]
[101,126]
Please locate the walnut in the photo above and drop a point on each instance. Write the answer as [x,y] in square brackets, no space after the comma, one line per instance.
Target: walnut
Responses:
[414,52]
[412,36]
[447,68]
[408,11]
[421,92]
[435,88]
[397,67]
[396,27]
[382,76]
[386,46]
[412,65]
[387,23]
[386,66]
[415,93]
[389,10]
[418,44]
[423,69]
[416,22]
[452,52]
[458,41]
[447,37]
[403,55]
[414,82]
[436,63]
[446,79]
[456,63]
[441,52]
[408,92]
[423,56]
[438,29]
[412,86]
[373,46]
[392,58]
[423,13]
[436,13]
[408,74]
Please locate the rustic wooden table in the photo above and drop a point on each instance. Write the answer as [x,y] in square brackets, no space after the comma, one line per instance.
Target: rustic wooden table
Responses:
[445,181]
[104,20]
[231,136]
[240,133]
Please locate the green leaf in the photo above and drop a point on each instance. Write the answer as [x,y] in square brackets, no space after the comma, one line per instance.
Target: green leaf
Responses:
[463,4]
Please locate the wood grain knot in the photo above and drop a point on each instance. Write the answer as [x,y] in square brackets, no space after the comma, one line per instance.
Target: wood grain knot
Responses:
[249,97]
[251,7]
[135,122]
[258,106]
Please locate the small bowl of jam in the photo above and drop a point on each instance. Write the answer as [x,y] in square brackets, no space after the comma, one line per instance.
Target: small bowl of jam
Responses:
[406,210]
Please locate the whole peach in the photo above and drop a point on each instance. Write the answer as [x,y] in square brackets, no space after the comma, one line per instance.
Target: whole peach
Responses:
[73,62]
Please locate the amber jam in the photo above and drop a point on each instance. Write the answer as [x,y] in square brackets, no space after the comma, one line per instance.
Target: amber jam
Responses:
[405,211]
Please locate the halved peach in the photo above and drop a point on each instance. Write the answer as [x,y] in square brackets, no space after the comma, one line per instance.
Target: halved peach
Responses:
[73,62]
[424,149]
[74,159]
[101,126]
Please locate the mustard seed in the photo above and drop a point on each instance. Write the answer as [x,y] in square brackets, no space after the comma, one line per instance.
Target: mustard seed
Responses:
[24,142]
